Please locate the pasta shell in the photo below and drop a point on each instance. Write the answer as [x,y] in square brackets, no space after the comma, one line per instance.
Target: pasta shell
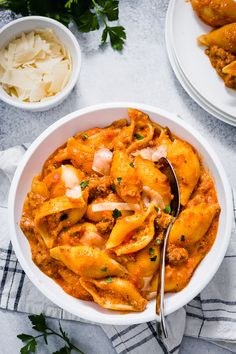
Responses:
[187,168]
[215,13]
[146,264]
[230,68]
[125,226]
[192,224]
[152,177]
[87,261]
[141,123]
[99,138]
[140,238]
[74,209]
[126,181]
[224,37]
[80,154]
[72,286]
[177,277]
[115,294]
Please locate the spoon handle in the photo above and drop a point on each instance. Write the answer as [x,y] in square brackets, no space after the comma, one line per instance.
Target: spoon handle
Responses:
[161,290]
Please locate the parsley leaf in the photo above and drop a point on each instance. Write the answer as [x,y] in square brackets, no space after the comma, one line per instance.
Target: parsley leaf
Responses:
[84,136]
[24,337]
[30,347]
[153,259]
[38,322]
[158,241]
[88,22]
[116,213]
[69,3]
[110,8]
[40,325]
[138,136]
[131,164]
[167,209]
[117,36]
[119,179]
[151,251]
[89,15]
[113,188]
[64,350]
[156,208]
[109,280]
[104,269]
[84,184]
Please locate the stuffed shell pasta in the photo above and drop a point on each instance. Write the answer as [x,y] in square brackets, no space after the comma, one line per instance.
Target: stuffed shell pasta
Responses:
[96,215]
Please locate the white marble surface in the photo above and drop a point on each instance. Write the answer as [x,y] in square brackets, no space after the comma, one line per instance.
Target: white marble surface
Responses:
[141,73]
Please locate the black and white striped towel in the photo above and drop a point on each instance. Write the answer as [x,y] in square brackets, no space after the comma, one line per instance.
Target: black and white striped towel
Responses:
[211,315]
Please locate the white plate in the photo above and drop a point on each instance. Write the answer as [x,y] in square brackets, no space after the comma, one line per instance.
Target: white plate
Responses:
[184,82]
[56,135]
[183,29]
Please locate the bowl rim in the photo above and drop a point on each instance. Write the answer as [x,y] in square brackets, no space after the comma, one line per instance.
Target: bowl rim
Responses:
[119,319]
[28,106]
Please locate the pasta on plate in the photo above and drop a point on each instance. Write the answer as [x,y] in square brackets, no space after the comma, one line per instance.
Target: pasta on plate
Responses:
[221,41]
[96,215]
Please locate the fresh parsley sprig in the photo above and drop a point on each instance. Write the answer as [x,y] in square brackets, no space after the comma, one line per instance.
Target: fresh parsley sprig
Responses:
[89,15]
[40,325]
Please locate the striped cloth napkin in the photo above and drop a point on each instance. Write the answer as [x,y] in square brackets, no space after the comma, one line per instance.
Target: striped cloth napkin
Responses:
[211,315]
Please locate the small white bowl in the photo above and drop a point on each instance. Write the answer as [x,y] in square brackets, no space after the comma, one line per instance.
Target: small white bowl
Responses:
[101,116]
[27,24]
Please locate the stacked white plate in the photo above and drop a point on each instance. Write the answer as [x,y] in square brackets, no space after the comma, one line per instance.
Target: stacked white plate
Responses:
[192,66]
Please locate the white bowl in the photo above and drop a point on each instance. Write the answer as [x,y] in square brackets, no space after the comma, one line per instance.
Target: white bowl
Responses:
[101,116]
[27,24]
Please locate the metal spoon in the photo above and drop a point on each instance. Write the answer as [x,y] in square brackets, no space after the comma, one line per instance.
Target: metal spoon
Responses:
[166,167]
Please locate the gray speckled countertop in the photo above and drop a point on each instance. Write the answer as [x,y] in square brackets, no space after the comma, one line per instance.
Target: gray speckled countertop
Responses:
[141,73]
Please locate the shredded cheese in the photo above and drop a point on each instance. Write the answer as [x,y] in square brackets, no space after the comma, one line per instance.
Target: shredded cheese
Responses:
[71,181]
[152,154]
[150,196]
[113,206]
[34,66]
[102,161]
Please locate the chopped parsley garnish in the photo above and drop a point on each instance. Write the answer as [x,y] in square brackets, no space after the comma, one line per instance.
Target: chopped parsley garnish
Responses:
[113,188]
[182,238]
[116,213]
[138,136]
[65,228]
[167,209]
[119,179]
[131,164]
[157,209]
[104,269]
[84,136]
[84,184]
[109,279]
[153,259]
[158,241]
[63,217]
[151,251]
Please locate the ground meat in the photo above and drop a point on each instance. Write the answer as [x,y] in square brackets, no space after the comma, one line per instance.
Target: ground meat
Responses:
[219,59]
[105,226]
[99,187]
[177,255]
[33,202]
[26,223]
